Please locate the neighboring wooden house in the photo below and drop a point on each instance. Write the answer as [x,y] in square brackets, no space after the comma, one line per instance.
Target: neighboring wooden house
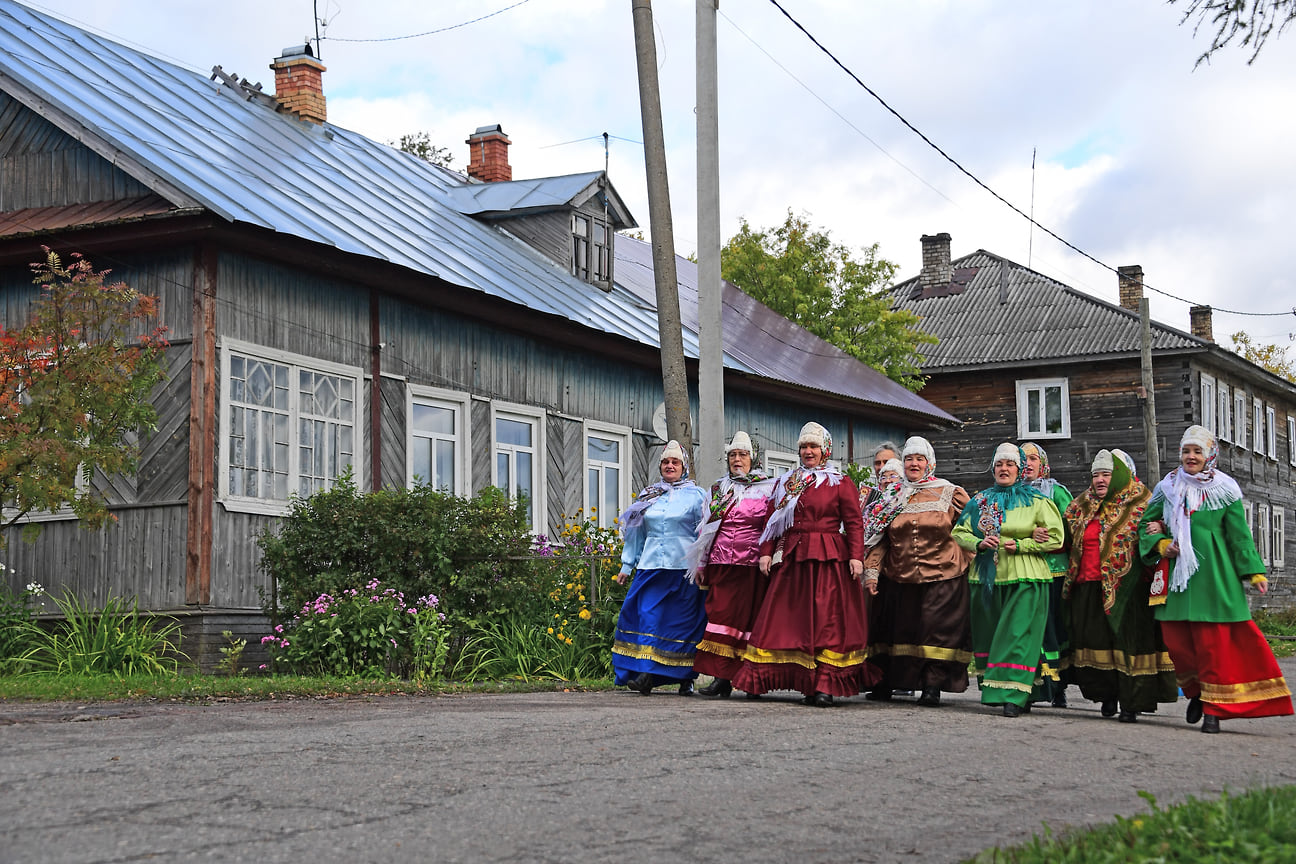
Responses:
[333,304]
[1022,357]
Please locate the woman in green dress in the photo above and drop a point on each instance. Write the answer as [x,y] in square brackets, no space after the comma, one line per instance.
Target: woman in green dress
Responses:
[1056,672]
[1196,525]
[1009,580]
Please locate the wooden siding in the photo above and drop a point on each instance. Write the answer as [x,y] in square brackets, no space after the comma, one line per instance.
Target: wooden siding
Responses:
[550,234]
[141,556]
[41,166]
[236,559]
[393,433]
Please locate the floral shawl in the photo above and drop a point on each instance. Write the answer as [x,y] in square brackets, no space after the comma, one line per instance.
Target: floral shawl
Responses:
[1118,515]
[725,493]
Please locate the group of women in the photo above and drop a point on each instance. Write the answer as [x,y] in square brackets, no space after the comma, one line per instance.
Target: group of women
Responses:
[805,582]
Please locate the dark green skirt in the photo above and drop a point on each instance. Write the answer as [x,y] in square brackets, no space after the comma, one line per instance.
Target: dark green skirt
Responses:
[1119,656]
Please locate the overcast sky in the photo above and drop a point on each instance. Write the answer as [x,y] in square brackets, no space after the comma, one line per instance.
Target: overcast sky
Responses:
[1140,159]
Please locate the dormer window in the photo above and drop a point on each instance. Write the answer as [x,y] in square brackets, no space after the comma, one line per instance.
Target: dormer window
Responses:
[591,250]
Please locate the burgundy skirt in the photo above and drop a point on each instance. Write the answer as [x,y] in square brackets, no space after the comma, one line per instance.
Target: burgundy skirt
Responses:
[734,596]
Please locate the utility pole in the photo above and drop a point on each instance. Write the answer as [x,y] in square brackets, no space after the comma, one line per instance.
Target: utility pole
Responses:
[710,332]
[1149,400]
[670,332]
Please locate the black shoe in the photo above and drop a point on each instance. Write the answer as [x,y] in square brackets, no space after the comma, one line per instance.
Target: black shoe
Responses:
[879,694]
[641,684]
[1011,710]
[1026,709]
[930,697]
[1109,708]
[1210,724]
[1127,716]
[1059,701]
[686,688]
[753,696]
[1195,711]
[718,688]
[822,700]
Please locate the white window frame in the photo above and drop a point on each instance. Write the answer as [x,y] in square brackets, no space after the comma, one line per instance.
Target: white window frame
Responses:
[1024,388]
[1271,433]
[1257,425]
[621,434]
[1224,416]
[1208,403]
[539,456]
[1247,510]
[1291,440]
[1262,535]
[1278,553]
[296,363]
[1239,417]
[462,436]
[780,462]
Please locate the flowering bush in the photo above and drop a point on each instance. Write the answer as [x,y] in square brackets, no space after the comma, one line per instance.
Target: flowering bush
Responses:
[15,611]
[363,631]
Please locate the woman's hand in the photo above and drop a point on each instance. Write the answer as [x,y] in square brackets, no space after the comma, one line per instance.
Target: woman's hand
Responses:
[621,578]
[1008,545]
[856,568]
[1172,551]
[700,577]
[1155,527]
[871,586]
[1040,534]
[990,542]
[765,561]
[1261,583]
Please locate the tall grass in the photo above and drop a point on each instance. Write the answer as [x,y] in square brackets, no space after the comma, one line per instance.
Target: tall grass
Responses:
[114,640]
[514,649]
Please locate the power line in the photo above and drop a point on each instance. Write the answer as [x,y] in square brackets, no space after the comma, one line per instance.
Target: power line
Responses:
[979,182]
[429,32]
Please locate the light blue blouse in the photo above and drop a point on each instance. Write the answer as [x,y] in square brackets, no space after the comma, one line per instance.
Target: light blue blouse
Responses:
[670,525]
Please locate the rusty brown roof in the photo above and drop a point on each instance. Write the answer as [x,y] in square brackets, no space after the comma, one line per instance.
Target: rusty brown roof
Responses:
[35,220]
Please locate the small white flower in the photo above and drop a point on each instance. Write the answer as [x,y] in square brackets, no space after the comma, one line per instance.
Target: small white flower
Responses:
[35,588]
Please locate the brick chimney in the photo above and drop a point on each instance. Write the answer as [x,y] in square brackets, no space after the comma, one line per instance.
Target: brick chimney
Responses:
[936,268]
[1200,318]
[488,155]
[1130,279]
[299,84]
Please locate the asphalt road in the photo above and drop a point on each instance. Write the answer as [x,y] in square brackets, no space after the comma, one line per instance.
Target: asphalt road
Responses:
[591,777]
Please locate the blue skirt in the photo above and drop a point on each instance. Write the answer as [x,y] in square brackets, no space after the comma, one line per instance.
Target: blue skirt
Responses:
[662,620]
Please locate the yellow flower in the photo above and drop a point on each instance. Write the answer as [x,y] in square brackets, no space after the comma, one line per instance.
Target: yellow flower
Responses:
[581,598]
[564,622]
[550,631]
[569,641]
[1138,823]
[585,613]
[569,586]
[561,637]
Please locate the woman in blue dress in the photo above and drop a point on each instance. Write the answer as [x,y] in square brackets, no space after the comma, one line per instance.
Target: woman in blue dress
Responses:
[664,614]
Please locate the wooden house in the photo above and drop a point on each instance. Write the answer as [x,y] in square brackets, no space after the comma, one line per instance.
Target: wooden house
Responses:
[1025,358]
[335,304]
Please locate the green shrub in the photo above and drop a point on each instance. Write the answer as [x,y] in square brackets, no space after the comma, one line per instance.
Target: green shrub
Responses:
[115,640]
[416,541]
[363,631]
[15,612]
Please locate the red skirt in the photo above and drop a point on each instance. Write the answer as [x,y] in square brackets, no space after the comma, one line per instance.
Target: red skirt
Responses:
[811,634]
[1229,666]
[734,596]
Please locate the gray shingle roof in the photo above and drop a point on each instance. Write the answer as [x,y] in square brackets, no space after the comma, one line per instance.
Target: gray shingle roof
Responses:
[1000,313]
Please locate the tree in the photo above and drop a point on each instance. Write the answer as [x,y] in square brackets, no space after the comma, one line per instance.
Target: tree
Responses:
[1269,357]
[1252,20]
[420,144]
[798,271]
[74,390]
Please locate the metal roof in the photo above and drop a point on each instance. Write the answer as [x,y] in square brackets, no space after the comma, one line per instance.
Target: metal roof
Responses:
[518,197]
[999,312]
[206,143]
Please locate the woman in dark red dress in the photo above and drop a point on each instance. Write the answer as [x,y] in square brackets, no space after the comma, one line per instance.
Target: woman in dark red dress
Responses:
[811,634]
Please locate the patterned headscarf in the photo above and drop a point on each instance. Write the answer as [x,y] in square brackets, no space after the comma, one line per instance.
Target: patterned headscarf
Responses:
[1184,494]
[987,509]
[788,489]
[726,493]
[880,504]
[1044,482]
[1118,513]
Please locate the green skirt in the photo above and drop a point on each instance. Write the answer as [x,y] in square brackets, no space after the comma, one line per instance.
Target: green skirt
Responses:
[1120,656]
[1008,640]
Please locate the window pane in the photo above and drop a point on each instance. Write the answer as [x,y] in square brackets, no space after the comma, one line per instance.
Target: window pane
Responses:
[611,502]
[526,483]
[592,491]
[434,418]
[1053,410]
[445,465]
[422,452]
[514,432]
[1032,411]
[502,472]
[604,450]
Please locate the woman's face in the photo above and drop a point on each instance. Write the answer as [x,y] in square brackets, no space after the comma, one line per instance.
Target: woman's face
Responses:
[1032,466]
[672,469]
[915,465]
[1005,472]
[811,455]
[739,462]
[1192,458]
[1101,483]
[890,476]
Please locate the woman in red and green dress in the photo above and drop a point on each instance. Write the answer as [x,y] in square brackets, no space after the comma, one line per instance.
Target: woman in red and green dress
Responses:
[1195,522]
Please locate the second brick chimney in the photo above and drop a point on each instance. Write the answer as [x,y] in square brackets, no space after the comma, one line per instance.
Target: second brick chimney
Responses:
[936,268]
[488,155]
[1130,279]
[299,83]
[1200,320]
